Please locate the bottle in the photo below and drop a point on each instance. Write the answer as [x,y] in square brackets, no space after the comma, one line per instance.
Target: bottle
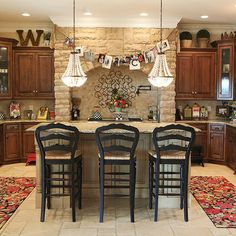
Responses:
[187,112]
[196,111]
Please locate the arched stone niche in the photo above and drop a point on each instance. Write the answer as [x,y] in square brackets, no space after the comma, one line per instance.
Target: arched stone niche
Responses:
[114,42]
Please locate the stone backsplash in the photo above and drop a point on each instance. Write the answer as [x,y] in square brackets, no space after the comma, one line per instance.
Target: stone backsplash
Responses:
[114,42]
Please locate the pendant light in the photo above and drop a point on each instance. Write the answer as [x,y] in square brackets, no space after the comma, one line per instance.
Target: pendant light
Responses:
[74,75]
[160,75]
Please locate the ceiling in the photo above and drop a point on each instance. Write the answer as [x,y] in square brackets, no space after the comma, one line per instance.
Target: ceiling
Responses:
[119,13]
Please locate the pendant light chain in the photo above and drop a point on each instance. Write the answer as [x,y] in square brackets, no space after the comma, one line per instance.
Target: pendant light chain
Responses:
[74,25]
[161,24]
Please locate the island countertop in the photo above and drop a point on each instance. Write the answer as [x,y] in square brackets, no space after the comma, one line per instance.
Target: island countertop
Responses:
[90,126]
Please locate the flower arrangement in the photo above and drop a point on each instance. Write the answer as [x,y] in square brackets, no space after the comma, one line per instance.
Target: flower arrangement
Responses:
[118,100]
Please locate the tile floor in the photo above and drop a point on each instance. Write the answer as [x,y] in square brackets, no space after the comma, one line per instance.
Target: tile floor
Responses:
[25,222]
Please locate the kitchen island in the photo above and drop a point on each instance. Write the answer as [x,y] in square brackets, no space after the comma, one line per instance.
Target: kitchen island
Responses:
[88,148]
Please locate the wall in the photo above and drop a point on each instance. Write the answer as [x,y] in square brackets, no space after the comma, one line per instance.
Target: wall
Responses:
[115,42]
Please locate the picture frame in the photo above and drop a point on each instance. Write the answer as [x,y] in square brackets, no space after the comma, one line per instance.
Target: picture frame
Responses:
[107,62]
[80,51]
[164,46]
[42,113]
[149,56]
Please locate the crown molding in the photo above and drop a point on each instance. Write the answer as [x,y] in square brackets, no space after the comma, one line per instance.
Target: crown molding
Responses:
[13,26]
[216,28]
[113,22]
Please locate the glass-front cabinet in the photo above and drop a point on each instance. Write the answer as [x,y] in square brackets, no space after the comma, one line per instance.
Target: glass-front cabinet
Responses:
[6,65]
[226,70]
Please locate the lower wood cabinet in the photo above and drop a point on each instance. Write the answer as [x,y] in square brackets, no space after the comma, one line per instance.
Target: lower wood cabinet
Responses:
[28,144]
[230,147]
[16,142]
[216,143]
[201,137]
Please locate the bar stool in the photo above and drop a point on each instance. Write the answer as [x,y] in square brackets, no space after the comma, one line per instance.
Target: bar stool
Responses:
[61,165]
[117,144]
[172,144]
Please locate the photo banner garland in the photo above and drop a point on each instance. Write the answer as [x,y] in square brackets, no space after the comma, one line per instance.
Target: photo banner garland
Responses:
[133,61]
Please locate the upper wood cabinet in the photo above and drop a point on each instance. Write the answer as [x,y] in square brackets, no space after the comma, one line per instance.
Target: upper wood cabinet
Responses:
[196,74]
[34,72]
[226,73]
[6,67]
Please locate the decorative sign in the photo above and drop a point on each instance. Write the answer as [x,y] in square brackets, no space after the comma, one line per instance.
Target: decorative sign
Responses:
[29,37]
[104,90]
[134,64]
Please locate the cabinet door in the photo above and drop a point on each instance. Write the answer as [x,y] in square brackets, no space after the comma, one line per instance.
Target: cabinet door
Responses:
[25,74]
[230,147]
[1,145]
[12,147]
[5,70]
[28,145]
[205,77]
[225,72]
[216,146]
[45,75]
[184,76]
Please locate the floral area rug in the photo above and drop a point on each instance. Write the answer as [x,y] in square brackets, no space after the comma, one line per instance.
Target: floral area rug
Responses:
[13,191]
[217,196]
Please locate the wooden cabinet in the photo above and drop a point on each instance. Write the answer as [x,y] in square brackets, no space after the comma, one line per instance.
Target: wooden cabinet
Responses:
[216,143]
[6,67]
[201,138]
[196,74]
[28,144]
[226,80]
[34,72]
[230,147]
[1,145]
[12,143]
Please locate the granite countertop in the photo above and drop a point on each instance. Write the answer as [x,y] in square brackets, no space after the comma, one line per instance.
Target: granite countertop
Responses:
[90,126]
[24,121]
[226,122]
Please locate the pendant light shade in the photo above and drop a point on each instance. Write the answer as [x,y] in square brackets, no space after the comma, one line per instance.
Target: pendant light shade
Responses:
[160,75]
[74,75]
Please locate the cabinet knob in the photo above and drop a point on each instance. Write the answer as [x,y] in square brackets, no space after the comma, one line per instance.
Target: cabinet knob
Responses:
[33,91]
[36,91]
[192,92]
[195,92]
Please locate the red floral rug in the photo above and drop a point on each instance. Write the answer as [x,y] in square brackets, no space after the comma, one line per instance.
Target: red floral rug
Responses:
[217,197]
[13,191]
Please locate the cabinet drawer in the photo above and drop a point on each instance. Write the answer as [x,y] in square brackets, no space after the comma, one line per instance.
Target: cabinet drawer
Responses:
[28,125]
[15,127]
[217,127]
[201,126]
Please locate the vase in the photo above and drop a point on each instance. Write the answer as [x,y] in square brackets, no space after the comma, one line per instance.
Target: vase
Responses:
[118,109]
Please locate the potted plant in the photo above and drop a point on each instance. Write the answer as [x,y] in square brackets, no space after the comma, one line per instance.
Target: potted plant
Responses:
[203,37]
[185,39]
[47,37]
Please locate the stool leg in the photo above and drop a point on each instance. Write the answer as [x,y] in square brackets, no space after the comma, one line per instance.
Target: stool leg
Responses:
[48,186]
[43,195]
[181,186]
[80,184]
[73,192]
[101,177]
[132,190]
[150,181]
[157,168]
[186,193]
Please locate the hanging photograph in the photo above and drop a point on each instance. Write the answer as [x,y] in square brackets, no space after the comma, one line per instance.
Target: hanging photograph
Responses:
[101,58]
[164,46]
[80,51]
[149,56]
[107,62]
[134,64]
[89,56]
